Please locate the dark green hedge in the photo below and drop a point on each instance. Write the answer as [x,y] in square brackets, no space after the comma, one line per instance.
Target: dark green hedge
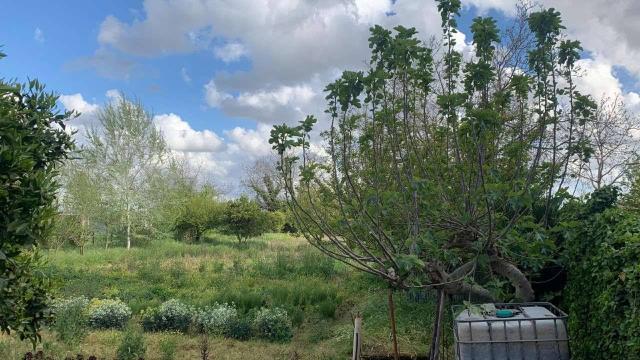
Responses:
[602,296]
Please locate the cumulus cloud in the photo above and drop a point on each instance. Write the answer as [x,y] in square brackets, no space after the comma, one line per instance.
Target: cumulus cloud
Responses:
[213,96]
[180,136]
[295,47]
[230,52]
[87,115]
[598,80]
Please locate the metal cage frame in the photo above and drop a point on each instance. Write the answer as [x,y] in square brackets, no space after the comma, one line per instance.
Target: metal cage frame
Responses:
[560,316]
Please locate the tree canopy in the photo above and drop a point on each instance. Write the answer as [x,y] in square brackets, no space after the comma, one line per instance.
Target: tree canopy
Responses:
[445,171]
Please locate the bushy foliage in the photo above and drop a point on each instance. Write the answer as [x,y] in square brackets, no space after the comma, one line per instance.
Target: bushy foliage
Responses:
[172,315]
[244,219]
[200,212]
[240,329]
[273,324]
[132,346]
[216,320]
[33,141]
[108,314]
[603,291]
[70,322]
[276,221]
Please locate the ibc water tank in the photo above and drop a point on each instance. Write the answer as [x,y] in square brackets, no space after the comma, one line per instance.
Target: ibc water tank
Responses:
[531,331]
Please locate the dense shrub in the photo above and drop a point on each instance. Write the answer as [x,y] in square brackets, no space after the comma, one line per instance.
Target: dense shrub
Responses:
[200,212]
[132,346]
[108,314]
[244,218]
[602,296]
[216,320]
[70,322]
[33,143]
[172,315]
[273,324]
[276,221]
[240,329]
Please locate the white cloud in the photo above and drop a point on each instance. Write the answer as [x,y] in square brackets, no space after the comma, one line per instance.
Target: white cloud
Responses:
[284,95]
[88,115]
[253,143]
[76,102]
[598,80]
[230,52]
[185,75]
[38,35]
[180,136]
[291,43]
[213,96]
[372,11]
[113,95]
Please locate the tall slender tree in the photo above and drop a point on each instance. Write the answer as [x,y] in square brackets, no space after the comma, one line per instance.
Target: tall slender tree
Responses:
[124,151]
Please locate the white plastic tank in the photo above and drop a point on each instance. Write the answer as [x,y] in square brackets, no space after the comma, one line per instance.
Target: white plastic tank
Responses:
[532,332]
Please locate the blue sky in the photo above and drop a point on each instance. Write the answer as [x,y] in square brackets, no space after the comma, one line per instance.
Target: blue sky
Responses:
[69,37]
[220,73]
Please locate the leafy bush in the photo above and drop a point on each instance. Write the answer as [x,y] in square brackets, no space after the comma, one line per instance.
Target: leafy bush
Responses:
[216,320]
[602,293]
[273,324]
[132,346]
[172,315]
[240,329]
[200,212]
[276,221]
[70,322]
[108,314]
[33,142]
[244,219]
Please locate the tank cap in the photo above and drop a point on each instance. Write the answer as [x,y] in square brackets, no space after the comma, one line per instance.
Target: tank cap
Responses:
[504,313]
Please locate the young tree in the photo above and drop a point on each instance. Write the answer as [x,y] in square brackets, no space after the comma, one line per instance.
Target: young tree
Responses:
[123,152]
[445,174]
[244,219]
[613,135]
[80,204]
[200,212]
[33,142]
[265,182]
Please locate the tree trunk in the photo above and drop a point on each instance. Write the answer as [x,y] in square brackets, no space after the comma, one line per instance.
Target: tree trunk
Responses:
[128,228]
[392,317]
[524,291]
[437,327]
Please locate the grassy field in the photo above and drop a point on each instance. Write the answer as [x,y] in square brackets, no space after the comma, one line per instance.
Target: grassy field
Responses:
[319,294]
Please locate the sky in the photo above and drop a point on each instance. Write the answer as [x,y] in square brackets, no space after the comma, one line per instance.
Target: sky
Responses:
[217,74]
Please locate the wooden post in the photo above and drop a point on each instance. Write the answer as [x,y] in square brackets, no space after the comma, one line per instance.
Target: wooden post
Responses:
[392,316]
[357,337]
[437,327]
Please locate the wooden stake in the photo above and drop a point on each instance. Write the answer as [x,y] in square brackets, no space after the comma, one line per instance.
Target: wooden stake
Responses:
[437,327]
[357,337]
[392,315]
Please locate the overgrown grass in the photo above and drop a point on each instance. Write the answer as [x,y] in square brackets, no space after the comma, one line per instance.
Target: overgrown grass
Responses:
[274,270]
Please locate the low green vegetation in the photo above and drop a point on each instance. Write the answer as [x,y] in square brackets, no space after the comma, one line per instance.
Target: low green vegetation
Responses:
[274,294]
